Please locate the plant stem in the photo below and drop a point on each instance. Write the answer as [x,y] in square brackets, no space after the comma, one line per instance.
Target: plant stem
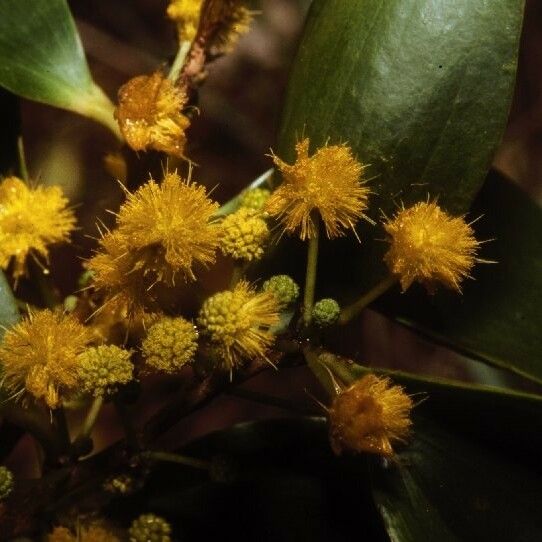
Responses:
[351,311]
[177,458]
[92,416]
[63,435]
[310,277]
[23,170]
[178,63]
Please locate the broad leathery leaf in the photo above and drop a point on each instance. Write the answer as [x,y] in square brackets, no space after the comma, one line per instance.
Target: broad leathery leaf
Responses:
[420,89]
[42,59]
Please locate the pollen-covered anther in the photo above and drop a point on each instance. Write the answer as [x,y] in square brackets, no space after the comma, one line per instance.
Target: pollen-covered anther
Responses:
[243,235]
[327,183]
[429,246]
[370,416]
[150,114]
[237,323]
[170,344]
[31,219]
[39,355]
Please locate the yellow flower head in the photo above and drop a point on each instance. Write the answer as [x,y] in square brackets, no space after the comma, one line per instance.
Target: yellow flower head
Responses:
[170,344]
[101,369]
[328,183]
[243,235]
[430,246]
[237,323]
[149,528]
[255,198]
[169,228]
[31,219]
[225,22]
[40,354]
[186,13]
[93,533]
[149,114]
[369,416]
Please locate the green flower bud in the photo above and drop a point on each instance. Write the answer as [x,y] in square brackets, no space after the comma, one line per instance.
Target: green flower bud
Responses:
[283,287]
[6,482]
[255,198]
[149,528]
[326,312]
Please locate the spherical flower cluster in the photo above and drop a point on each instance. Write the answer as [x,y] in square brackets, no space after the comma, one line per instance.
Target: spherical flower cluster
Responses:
[429,246]
[6,482]
[243,235]
[170,344]
[40,354]
[326,312]
[149,114]
[328,183]
[237,323]
[31,219]
[163,232]
[255,198]
[149,528]
[101,369]
[186,14]
[283,287]
[92,533]
[369,416]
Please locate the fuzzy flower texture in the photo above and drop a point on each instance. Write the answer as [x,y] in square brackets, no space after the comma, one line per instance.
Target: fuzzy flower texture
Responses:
[40,354]
[328,184]
[31,219]
[369,416]
[429,246]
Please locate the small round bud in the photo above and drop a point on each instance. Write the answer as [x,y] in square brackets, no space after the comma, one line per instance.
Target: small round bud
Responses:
[70,303]
[6,482]
[149,528]
[101,369]
[326,312]
[170,344]
[255,198]
[283,287]
[243,235]
[122,484]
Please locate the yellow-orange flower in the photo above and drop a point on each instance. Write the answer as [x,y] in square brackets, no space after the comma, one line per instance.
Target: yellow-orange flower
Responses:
[237,323]
[150,114]
[40,355]
[328,183]
[186,13]
[31,219]
[369,416]
[429,246]
[93,533]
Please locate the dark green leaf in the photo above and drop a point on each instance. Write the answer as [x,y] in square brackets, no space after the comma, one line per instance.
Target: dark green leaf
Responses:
[472,449]
[41,58]
[419,89]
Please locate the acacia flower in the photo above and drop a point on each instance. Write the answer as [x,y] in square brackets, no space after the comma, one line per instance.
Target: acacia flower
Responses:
[243,235]
[328,183]
[6,482]
[170,344]
[429,246]
[92,533]
[169,228]
[369,416]
[31,219]
[255,198]
[237,323]
[149,528]
[40,355]
[150,114]
[101,369]
[186,13]
[225,22]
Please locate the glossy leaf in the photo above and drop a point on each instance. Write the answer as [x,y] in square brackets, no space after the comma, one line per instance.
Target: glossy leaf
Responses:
[42,59]
[419,89]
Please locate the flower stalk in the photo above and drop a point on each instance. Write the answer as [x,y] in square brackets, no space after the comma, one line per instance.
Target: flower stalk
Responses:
[312,268]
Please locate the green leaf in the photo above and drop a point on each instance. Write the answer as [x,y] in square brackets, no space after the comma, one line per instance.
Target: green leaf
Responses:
[419,89]
[472,448]
[9,313]
[42,59]
[497,319]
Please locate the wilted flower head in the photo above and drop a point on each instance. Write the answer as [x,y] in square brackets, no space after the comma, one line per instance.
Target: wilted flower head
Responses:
[149,114]
[170,344]
[31,219]
[327,183]
[243,235]
[429,246]
[92,533]
[237,323]
[369,416]
[40,355]
[224,22]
